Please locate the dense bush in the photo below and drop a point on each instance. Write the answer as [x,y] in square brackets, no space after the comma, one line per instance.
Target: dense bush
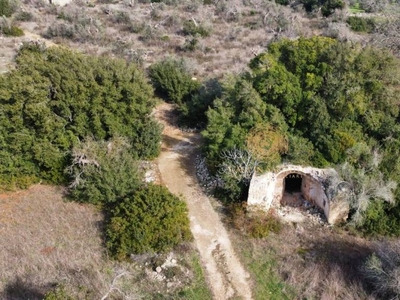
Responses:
[103,172]
[360,24]
[256,224]
[327,6]
[318,102]
[24,16]
[12,30]
[192,28]
[151,219]
[7,8]
[193,111]
[172,80]
[56,97]
[382,270]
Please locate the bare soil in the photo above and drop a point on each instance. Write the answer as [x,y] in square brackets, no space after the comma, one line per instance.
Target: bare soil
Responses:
[226,276]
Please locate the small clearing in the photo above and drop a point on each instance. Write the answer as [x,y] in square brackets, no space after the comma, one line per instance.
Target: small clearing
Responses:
[226,276]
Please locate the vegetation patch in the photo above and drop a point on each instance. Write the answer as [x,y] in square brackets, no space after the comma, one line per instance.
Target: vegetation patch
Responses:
[361,24]
[149,220]
[57,97]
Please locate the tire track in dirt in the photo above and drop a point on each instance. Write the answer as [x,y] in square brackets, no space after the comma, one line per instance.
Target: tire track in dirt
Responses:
[226,276]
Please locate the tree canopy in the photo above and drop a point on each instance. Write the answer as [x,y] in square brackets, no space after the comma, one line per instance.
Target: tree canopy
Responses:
[312,101]
[56,97]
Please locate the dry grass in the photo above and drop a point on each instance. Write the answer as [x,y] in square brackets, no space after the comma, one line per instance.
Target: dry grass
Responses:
[238,31]
[308,262]
[46,241]
[323,263]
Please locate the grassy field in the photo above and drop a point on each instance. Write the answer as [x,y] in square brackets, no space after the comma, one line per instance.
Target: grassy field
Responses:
[306,262]
[49,243]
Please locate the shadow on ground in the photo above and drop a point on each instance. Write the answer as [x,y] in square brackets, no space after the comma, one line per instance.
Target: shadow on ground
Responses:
[22,289]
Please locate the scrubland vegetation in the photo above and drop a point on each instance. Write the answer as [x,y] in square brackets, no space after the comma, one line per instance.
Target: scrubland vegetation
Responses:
[265,83]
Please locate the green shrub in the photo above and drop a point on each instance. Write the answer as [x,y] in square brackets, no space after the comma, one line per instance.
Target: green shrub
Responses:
[327,6]
[261,225]
[191,44]
[194,110]
[103,172]
[191,28]
[149,220]
[382,270]
[55,98]
[6,8]
[172,80]
[58,293]
[13,31]
[360,24]
[256,224]
[24,16]
[282,2]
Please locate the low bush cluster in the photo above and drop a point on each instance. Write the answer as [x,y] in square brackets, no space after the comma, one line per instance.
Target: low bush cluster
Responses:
[12,30]
[361,24]
[139,217]
[172,80]
[56,98]
[7,8]
[382,270]
[150,219]
[190,27]
[67,117]
[255,224]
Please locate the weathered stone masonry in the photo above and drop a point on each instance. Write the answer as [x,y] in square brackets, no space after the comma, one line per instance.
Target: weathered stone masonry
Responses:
[267,190]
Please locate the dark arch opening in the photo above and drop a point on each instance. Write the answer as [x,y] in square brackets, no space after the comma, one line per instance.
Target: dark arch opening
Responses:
[293,183]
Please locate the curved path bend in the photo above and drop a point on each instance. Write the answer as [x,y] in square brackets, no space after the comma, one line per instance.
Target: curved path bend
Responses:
[225,275]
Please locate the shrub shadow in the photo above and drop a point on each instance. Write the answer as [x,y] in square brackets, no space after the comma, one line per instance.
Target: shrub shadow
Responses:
[22,289]
[345,254]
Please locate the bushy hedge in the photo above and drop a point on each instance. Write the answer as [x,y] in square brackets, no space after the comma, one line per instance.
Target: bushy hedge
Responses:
[102,172]
[7,8]
[56,97]
[172,80]
[12,30]
[151,219]
[361,24]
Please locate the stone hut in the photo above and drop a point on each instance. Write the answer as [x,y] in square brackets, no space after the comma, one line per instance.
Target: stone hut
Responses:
[290,183]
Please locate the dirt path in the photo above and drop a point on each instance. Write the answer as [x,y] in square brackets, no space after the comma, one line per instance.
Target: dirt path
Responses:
[226,276]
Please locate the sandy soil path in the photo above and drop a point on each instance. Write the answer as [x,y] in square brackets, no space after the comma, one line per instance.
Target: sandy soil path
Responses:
[226,276]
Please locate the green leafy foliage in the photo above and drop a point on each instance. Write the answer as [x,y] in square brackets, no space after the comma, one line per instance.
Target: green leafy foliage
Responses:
[360,24]
[150,219]
[236,112]
[58,293]
[172,80]
[6,8]
[55,98]
[193,112]
[325,103]
[12,30]
[256,224]
[327,6]
[192,28]
[103,172]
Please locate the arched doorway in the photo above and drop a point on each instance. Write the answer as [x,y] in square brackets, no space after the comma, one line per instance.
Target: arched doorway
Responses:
[293,183]
[293,190]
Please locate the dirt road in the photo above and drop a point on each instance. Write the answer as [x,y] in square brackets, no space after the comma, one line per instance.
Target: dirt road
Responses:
[225,274]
